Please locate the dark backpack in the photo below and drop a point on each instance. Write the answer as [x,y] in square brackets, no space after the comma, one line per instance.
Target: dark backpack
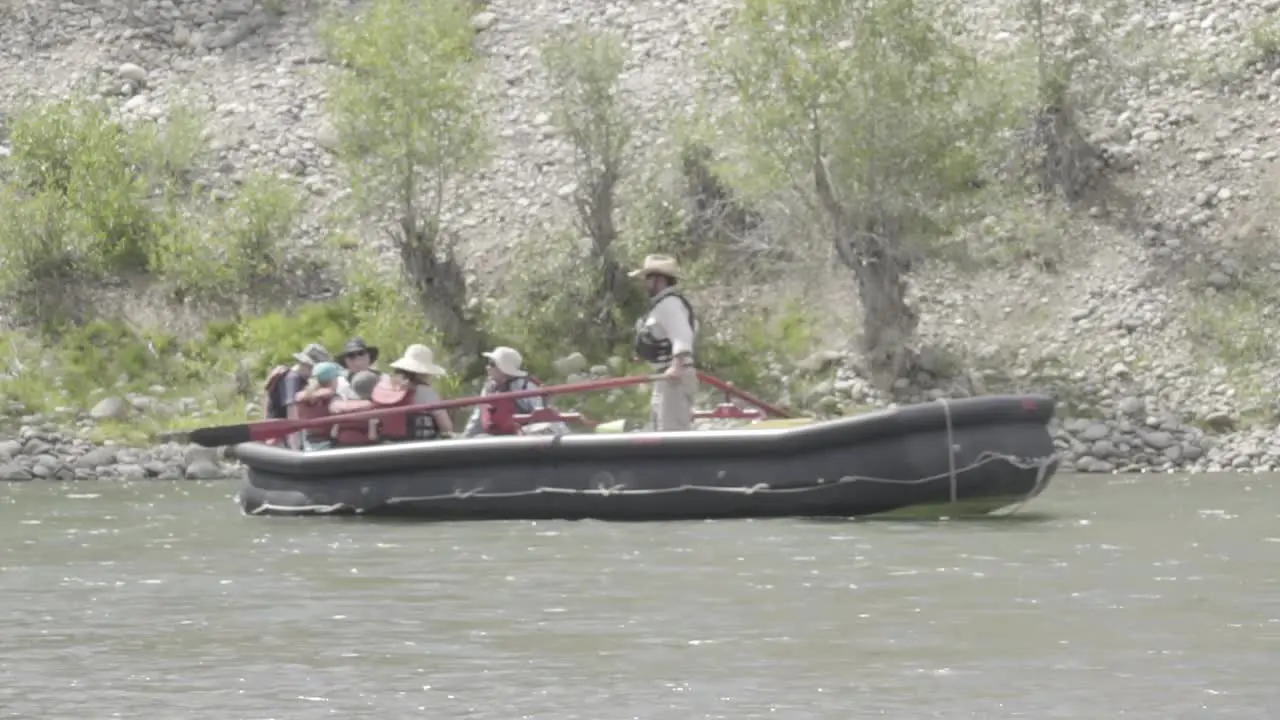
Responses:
[272,407]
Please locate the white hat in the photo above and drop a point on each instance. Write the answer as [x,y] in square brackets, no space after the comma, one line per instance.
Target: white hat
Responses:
[507,360]
[419,359]
[658,265]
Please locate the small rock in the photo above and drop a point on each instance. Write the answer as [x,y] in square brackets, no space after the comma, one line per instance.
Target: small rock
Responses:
[204,470]
[133,73]
[570,364]
[113,408]
[12,472]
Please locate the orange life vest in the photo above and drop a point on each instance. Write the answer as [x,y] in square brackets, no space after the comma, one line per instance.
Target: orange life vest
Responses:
[317,406]
[401,426]
[352,432]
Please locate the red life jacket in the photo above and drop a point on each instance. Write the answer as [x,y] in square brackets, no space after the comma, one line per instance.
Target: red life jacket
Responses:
[352,432]
[317,406]
[401,426]
[499,416]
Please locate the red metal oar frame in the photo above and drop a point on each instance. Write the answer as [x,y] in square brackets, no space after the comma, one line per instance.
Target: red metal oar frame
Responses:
[266,430]
[725,410]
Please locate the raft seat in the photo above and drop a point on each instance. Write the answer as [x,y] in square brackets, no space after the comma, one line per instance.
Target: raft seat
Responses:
[723,411]
[550,415]
[729,411]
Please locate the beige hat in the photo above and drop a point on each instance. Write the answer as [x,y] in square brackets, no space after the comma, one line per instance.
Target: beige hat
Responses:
[508,360]
[658,265]
[313,354]
[419,359]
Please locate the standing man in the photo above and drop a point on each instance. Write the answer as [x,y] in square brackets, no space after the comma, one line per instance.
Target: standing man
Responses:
[665,337]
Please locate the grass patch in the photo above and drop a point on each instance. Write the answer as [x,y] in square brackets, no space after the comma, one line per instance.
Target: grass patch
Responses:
[1234,337]
[168,383]
[1263,43]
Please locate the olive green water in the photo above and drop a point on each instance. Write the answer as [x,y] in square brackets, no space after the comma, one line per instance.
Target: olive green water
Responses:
[1142,597]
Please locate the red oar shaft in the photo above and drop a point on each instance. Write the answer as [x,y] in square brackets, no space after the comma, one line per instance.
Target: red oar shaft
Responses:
[269,429]
[278,428]
[723,386]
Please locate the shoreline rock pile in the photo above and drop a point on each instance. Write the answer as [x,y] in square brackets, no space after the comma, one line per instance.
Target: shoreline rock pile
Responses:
[47,453]
[1129,435]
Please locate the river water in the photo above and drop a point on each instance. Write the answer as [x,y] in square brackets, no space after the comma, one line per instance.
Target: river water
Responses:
[1139,597]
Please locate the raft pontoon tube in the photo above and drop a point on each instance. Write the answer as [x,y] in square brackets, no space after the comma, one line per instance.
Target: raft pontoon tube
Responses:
[965,456]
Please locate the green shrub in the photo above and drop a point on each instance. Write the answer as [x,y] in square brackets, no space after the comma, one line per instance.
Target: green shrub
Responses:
[229,255]
[222,369]
[88,198]
[544,307]
[74,150]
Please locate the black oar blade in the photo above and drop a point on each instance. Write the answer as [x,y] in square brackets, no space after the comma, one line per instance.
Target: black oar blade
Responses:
[221,435]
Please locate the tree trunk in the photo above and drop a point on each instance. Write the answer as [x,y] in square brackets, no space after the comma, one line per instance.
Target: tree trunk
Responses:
[595,205]
[440,285]
[888,322]
[870,247]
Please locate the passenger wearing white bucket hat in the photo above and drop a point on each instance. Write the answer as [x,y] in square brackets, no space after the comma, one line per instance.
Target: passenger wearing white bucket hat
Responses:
[409,383]
[506,374]
[504,363]
[665,338]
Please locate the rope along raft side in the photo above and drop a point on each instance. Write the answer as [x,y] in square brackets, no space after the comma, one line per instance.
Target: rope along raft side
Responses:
[1041,466]
[974,455]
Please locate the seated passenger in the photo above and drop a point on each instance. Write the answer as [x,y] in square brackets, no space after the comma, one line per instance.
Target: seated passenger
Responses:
[363,382]
[506,374]
[313,402]
[356,357]
[356,432]
[409,383]
[283,384]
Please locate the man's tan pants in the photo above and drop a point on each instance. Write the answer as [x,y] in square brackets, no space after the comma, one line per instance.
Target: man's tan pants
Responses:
[671,407]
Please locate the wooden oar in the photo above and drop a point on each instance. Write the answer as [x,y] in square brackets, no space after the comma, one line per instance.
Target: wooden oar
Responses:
[269,429]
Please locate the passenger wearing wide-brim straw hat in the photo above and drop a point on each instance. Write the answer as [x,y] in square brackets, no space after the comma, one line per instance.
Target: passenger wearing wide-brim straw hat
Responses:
[412,373]
[665,338]
[418,360]
[506,360]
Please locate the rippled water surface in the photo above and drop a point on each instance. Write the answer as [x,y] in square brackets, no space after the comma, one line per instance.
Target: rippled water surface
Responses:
[1145,597]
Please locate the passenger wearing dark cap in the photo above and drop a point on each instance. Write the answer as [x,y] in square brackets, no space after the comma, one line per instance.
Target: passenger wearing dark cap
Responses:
[356,357]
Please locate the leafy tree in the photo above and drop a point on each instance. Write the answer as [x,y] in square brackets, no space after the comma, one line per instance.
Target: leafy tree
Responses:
[1085,52]
[406,107]
[592,111]
[874,114]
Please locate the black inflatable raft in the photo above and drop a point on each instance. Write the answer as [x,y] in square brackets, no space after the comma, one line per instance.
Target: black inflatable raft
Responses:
[956,457]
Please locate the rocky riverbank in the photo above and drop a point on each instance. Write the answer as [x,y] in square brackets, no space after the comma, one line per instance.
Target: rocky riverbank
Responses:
[45,453]
[1132,441]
